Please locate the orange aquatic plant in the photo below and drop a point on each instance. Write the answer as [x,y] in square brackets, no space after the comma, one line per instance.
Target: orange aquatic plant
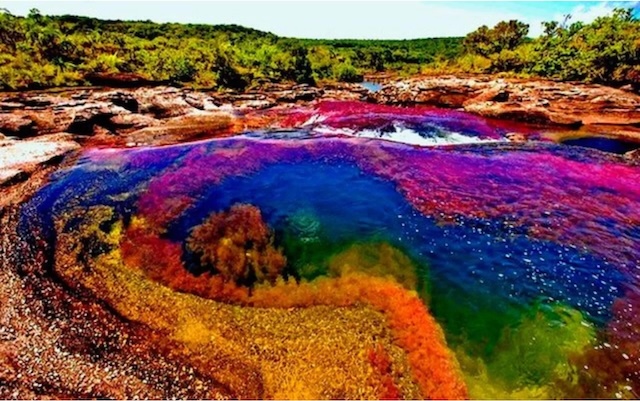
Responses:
[161,260]
[413,328]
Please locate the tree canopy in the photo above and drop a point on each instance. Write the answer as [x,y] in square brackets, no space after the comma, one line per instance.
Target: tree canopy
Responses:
[605,51]
[39,51]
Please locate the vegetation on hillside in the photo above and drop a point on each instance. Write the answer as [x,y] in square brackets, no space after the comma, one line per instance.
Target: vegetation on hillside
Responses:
[605,51]
[39,51]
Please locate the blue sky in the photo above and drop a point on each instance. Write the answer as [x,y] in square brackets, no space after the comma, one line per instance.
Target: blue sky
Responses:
[335,19]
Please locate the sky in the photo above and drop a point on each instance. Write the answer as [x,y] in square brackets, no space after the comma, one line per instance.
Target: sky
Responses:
[335,19]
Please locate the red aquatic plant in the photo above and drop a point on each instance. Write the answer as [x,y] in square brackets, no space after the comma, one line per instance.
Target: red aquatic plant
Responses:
[552,195]
[161,260]
[381,363]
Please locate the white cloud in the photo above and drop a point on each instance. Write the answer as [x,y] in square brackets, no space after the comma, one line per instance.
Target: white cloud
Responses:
[581,12]
[588,13]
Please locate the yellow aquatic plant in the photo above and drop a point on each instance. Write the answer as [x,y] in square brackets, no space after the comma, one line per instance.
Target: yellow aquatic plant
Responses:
[311,352]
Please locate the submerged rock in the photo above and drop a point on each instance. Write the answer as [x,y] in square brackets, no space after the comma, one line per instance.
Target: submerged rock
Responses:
[515,137]
[305,225]
[633,155]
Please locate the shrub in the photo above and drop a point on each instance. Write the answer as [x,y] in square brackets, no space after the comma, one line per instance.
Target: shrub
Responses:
[507,60]
[504,36]
[473,63]
[104,63]
[228,75]
[302,66]
[183,70]
[345,72]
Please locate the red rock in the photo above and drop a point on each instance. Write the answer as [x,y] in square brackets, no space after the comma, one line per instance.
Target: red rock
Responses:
[118,80]
[87,116]
[125,123]
[164,102]
[299,93]
[99,131]
[16,124]
[200,100]
[256,104]
[123,99]
[11,105]
[183,128]
[516,137]
[51,121]
[633,155]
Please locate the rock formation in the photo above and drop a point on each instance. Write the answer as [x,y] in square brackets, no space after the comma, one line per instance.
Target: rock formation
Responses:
[535,101]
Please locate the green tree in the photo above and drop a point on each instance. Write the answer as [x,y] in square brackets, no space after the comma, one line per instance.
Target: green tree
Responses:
[506,35]
[303,74]
[605,51]
[345,72]
[11,33]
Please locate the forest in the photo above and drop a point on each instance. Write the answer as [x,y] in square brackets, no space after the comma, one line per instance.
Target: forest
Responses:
[40,51]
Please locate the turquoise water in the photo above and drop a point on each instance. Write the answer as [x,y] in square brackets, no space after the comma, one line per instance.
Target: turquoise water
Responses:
[371,86]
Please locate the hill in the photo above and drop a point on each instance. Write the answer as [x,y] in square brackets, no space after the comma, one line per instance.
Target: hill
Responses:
[42,51]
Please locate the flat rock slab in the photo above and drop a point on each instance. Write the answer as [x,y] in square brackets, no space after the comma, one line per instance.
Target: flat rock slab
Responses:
[19,159]
[183,129]
[535,101]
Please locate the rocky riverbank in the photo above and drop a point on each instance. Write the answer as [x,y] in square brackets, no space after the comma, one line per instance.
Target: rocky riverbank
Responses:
[535,101]
[38,128]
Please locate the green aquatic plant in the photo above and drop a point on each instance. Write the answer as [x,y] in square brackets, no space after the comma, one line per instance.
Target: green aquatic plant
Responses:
[312,254]
[536,350]
[305,244]
[482,386]
[472,320]
[530,356]
[306,225]
[376,259]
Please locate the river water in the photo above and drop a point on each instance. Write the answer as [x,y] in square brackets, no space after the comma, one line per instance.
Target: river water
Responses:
[526,254]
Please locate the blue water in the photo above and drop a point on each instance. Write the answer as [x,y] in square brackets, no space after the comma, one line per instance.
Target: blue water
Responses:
[481,273]
[604,144]
[467,262]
